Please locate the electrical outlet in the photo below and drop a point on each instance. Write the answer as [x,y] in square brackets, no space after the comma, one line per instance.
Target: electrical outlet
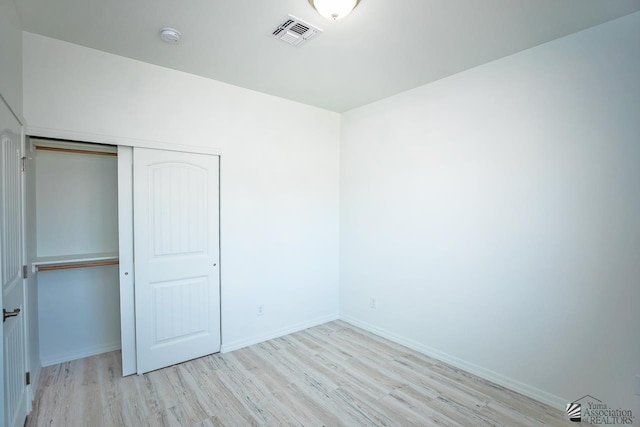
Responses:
[638,385]
[260,311]
[373,303]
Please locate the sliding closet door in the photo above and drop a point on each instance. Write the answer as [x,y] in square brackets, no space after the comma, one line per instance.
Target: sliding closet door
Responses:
[125,252]
[177,297]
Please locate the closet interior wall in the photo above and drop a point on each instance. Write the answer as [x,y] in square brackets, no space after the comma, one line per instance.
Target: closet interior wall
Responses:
[76,217]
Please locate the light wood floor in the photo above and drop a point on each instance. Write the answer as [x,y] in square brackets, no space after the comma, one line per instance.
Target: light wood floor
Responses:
[330,375]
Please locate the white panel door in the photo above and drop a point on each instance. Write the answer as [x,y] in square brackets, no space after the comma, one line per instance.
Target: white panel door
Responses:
[13,327]
[176,251]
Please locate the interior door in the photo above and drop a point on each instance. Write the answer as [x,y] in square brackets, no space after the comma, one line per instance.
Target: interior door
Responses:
[176,251]
[13,327]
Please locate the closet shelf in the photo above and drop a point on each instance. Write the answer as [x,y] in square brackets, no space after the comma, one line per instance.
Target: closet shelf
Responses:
[65,262]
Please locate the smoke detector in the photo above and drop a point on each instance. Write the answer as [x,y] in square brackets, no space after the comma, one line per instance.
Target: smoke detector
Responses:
[295,31]
[170,35]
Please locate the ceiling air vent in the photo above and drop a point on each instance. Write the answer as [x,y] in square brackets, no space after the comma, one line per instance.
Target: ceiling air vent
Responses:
[295,31]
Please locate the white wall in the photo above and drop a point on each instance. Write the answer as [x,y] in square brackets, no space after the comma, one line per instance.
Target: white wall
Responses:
[79,313]
[11,56]
[279,172]
[76,203]
[494,215]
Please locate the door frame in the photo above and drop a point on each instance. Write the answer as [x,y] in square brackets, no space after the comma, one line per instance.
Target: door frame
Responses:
[41,132]
[29,280]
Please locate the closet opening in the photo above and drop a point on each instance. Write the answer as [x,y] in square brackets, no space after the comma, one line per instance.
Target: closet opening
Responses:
[74,232]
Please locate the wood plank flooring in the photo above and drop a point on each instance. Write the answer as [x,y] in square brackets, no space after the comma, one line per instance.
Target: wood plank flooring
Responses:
[330,375]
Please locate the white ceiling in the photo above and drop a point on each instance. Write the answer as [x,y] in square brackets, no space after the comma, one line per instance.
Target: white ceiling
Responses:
[384,47]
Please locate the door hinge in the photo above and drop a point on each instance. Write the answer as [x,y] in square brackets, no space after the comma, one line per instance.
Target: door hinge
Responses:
[25,271]
[24,163]
[28,378]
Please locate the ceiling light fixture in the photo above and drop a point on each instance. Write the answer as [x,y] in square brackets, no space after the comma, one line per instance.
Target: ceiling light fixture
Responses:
[170,35]
[334,9]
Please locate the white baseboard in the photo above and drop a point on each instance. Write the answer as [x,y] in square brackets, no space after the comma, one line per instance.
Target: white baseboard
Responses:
[78,354]
[256,339]
[487,374]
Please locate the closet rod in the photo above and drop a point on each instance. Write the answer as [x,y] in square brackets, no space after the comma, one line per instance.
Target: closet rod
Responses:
[75,150]
[77,265]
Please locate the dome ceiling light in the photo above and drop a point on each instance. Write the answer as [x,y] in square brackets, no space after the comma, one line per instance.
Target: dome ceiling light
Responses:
[334,9]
